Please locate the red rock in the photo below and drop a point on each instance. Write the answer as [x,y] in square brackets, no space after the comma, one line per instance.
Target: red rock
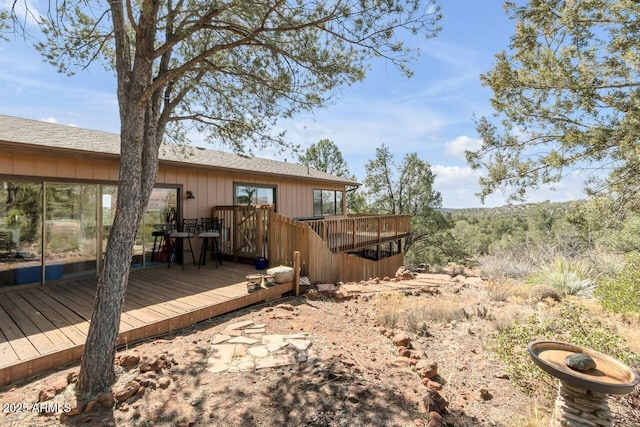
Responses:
[427,369]
[129,390]
[435,419]
[76,410]
[106,399]
[158,363]
[435,402]
[164,382]
[402,340]
[127,360]
[432,384]
[72,378]
[90,406]
[46,393]
[404,352]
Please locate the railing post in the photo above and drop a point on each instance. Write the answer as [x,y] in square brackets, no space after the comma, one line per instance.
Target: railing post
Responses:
[353,239]
[259,231]
[296,273]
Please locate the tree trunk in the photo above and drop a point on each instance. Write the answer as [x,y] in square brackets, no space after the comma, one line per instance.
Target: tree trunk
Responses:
[142,128]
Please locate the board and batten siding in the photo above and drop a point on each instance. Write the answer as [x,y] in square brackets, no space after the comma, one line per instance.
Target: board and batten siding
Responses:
[294,196]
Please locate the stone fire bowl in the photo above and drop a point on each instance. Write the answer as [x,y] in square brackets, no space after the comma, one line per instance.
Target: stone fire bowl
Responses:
[609,377]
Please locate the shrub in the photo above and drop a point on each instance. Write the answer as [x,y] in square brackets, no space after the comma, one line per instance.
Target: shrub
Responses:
[568,277]
[544,292]
[500,289]
[620,292]
[388,308]
[570,323]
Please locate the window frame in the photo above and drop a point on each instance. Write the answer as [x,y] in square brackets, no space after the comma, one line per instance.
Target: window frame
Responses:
[338,205]
[256,187]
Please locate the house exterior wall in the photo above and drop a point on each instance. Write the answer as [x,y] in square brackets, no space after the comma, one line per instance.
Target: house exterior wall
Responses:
[294,197]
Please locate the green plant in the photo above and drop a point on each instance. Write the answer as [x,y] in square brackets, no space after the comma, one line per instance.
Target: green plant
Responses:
[568,323]
[619,293]
[568,277]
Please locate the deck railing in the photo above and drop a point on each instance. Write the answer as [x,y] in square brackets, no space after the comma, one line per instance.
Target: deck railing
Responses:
[244,230]
[344,234]
[324,244]
[321,263]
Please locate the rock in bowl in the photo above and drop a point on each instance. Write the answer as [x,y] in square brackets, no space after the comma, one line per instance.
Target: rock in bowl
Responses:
[609,375]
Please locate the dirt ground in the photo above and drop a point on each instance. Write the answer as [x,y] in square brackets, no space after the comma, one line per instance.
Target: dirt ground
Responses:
[356,377]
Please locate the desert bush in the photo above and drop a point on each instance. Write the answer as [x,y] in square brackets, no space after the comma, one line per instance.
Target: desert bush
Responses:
[620,292]
[389,307]
[500,289]
[443,311]
[505,265]
[568,323]
[543,293]
[567,276]
[416,319]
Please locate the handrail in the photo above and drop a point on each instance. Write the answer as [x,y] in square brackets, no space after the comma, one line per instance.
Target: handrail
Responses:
[359,231]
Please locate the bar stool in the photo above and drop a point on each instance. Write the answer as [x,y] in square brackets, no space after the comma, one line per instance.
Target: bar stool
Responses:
[162,248]
[210,230]
[188,231]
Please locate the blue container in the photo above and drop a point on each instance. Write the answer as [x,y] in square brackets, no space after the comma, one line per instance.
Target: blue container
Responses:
[261,263]
[34,274]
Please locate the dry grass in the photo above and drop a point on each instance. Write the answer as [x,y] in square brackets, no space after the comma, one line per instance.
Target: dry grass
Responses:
[534,418]
[389,307]
[507,316]
[503,289]
[393,308]
[443,311]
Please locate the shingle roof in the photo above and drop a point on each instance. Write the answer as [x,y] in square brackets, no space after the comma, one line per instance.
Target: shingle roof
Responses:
[51,135]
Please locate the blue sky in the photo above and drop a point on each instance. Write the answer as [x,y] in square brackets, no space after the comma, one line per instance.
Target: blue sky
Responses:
[430,114]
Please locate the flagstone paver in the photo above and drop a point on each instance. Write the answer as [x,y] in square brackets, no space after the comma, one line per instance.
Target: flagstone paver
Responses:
[301,345]
[276,361]
[275,346]
[220,338]
[244,346]
[269,339]
[239,325]
[260,351]
[243,340]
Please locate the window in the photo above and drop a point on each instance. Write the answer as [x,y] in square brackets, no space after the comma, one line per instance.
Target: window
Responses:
[327,202]
[254,195]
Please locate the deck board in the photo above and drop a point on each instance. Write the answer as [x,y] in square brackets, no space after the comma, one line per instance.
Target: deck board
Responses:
[46,326]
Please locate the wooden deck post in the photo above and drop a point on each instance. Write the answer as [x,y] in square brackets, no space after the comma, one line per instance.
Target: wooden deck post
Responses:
[296,273]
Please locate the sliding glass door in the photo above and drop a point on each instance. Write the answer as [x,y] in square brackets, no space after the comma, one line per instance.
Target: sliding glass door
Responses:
[70,230]
[20,233]
[64,228]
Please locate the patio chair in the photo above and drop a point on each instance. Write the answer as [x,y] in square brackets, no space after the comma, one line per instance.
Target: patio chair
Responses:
[161,244]
[178,237]
[211,229]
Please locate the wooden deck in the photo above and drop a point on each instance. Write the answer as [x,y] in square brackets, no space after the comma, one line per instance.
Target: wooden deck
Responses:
[45,327]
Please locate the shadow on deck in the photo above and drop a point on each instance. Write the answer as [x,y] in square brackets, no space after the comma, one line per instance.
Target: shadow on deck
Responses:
[45,327]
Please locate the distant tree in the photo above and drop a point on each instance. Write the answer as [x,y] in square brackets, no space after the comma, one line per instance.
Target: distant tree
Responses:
[407,188]
[228,70]
[567,94]
[325,156]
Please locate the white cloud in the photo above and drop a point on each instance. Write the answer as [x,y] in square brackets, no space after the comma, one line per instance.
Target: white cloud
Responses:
[49,120]
[458,146]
